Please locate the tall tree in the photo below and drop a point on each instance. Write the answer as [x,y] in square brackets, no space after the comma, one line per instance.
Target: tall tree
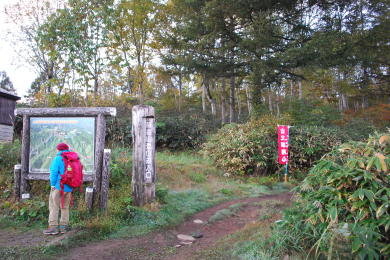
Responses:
[78,35]
[133,30]
[6,83]
[29,16]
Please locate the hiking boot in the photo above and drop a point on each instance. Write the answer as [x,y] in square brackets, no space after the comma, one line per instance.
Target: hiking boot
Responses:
[64,229]
[53,230]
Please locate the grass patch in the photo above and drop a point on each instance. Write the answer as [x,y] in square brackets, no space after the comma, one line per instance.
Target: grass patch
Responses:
[225,191]
[182,158]
[179,205]
[197,177]
[11,253]
[225,213]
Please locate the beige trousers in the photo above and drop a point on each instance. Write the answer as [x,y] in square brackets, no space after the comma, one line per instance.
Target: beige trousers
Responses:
[55,206]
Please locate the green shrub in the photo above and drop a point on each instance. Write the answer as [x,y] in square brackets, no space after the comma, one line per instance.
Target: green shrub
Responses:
[118,130]
[9,156]
[251,148]
[29,211]
[183,132]
[345,198]
[358,129]
[120,166]
[161,194]
[309,143]
[173,131]
[311,112]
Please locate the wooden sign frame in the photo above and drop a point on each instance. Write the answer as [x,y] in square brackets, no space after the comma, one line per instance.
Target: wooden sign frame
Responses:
[99,113]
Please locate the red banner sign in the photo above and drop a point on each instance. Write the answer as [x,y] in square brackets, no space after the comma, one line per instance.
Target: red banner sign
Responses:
[283,144]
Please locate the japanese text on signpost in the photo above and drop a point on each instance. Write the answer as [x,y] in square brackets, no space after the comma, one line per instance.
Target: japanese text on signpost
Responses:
[283,135]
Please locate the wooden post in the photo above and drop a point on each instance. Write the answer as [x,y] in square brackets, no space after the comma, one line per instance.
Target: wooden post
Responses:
[99,149]
[17,175]
[24,185]
[89,198]
[105,179]
[144,153]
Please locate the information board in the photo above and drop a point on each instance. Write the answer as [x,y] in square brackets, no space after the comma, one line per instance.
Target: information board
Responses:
[47,132]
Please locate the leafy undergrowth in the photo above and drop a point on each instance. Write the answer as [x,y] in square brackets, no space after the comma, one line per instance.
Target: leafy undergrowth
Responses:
[246,149]
[343,211]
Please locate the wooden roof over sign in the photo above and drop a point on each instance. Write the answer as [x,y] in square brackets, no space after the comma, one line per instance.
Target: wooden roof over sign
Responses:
[66,111]
[7,94]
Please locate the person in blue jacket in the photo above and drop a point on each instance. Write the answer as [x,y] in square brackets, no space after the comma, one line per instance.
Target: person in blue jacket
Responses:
[57,168]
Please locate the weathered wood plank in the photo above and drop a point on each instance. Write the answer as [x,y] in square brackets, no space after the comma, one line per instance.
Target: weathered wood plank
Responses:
[67,111]
[6,133]
[24,185]
[144,152]
[89,198]
[99,149]
[105,179]
[17,175]
[46,177]
[7,107]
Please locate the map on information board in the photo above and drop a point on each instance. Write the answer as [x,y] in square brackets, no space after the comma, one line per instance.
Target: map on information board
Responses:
[47,132]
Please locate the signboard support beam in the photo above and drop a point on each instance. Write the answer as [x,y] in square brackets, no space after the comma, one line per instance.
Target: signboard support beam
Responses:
[99,149]
[144,152]
[105,179]
[17,177]
[24,185]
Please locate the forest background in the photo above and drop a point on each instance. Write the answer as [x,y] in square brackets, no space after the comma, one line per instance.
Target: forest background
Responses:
[322,60]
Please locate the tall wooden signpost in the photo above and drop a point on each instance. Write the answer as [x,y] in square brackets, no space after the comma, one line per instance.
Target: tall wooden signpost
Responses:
[94,196]
[144,153]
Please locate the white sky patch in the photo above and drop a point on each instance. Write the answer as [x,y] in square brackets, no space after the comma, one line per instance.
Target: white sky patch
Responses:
[19,72]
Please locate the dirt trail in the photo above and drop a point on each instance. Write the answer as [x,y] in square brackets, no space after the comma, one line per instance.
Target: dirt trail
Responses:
[161,244]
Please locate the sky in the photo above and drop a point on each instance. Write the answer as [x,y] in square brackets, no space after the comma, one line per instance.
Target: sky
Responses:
[19,72]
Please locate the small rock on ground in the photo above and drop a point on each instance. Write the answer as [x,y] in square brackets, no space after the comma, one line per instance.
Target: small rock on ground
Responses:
[185,237]
[197,234]
[198,221]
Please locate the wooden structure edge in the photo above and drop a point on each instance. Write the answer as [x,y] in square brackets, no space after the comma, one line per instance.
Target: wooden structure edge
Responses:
[66,111]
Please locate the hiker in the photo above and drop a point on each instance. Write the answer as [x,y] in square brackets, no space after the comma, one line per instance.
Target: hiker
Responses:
[56,199]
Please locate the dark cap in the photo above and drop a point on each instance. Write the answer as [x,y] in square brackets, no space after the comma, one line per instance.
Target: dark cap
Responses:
[62,146]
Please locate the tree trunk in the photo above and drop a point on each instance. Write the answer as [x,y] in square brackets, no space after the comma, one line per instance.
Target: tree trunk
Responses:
[277,105]
[141,92]
[270,102]
[206,83]
[223,102]
[180,91]
[249,99]
[203,99]
[343,102]
[232,102]
[129,85]
[239,105]
[291,89]
[300,89]
[95,86]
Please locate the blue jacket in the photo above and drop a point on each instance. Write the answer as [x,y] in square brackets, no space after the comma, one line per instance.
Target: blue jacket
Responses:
[57,168]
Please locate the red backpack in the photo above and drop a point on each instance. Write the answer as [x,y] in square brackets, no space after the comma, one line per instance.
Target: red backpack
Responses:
[73,175]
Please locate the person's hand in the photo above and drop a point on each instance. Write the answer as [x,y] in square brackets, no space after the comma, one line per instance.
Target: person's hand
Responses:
[53,188]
